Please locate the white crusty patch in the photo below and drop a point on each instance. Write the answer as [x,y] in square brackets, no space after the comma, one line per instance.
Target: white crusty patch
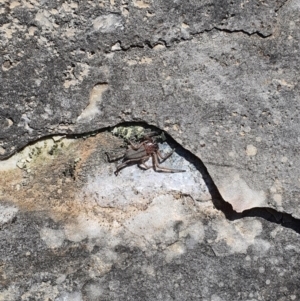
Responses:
[175,250]
[108,23]
[43,291]
[238,235]
[95,99]
[52,238]
[85,226]
[44,19]
[9,294]
[157,224]
[141,3]
[236,191]
[74,296]
[134,186]
[7,213]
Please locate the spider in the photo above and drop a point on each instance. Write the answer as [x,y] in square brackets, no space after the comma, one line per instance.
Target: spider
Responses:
[140,153]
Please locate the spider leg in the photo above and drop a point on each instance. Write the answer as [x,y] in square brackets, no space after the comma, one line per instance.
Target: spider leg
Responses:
[159,168]
[113,159]
[130,162]
[135,146]
[143,165]
[162,157]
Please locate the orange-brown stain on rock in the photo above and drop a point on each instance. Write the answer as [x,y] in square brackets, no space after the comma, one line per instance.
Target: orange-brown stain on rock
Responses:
[53,182]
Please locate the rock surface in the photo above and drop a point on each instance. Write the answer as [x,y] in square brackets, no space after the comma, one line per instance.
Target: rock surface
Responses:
[71,230]
[220,77]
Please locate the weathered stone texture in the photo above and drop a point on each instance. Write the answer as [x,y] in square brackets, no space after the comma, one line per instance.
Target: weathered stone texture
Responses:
[222,78]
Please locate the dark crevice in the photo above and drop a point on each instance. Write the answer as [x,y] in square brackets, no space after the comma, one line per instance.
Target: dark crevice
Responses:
[58,133]
[271,215]
[244,32]
[161,41]
[123,48]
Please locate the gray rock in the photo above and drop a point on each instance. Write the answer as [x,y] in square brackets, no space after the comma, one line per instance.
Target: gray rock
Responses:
[72,230]
[219,77]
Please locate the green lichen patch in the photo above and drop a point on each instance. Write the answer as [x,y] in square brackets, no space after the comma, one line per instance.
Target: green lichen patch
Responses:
[136,133]
[129,132]
[41,151]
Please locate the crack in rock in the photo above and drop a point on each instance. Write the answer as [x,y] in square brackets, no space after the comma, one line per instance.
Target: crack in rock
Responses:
[67,208]
[163,43]
[128,190]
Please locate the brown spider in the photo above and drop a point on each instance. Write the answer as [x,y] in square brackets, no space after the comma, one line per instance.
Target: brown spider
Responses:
[140,153]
